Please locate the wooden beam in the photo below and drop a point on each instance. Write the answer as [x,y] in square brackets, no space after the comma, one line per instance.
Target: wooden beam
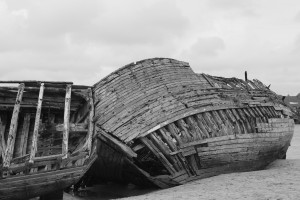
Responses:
[24,136]
[2,138]
[36,81]
[13,128]
[66,122]
[124,148]
[73,127]
[91,123]
[36,124]
[36,89]
[158,154]
[208,80]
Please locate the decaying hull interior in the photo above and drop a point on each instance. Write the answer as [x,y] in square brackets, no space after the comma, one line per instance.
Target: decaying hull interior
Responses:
[46,136]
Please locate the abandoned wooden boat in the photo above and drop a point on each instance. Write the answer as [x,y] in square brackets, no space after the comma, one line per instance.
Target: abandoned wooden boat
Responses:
[45,137]
[158,122]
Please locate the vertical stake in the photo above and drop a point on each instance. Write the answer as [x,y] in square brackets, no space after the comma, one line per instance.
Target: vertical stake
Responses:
[2,138]
[66,122]
[13,128]
[91,124]
[36,124]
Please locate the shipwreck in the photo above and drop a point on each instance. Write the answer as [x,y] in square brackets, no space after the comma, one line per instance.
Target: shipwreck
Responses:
[153,122]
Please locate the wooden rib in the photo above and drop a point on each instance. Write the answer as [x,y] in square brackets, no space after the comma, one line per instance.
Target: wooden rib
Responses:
[237,128]
[158,154]
[204,132]
[173,128]
[194,126]
[13,128]
[272,111]
[260,114]
[168,139]
[266,112]
[163,148]
[165,136]
[174,132]
[210,123]
[271,114]
[184,131]
[220,123]
[24,134]
[244,118]
[251,112]
[65,142]
[91,124]
[239,120]
[207,127]
[228,124]
[36,124]
[250,119]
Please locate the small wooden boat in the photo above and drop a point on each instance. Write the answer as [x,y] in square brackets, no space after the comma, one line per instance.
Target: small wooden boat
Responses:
[46,134]
[158,122]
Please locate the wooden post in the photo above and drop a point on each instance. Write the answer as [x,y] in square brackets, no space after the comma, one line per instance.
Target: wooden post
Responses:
[66,122]
[24,136]
[36,125]
[13,128]
[91,124]
[2,138]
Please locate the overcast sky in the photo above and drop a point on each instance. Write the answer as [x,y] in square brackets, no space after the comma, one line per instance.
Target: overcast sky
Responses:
[83,41]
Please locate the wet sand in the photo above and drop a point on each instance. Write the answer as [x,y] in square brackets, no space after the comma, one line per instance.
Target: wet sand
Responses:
[281,180]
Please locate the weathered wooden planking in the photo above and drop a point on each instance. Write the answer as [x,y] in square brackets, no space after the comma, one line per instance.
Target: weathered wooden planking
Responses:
[141,76]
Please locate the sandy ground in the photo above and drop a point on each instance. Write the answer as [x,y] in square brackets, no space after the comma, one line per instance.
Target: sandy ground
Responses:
[281,180]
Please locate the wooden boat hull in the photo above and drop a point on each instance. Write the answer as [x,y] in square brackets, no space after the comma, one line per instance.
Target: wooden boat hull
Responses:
[165,124]
[46,132]
[41,183]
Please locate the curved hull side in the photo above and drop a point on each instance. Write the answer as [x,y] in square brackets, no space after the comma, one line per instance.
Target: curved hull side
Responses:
[219,154]
[41,183]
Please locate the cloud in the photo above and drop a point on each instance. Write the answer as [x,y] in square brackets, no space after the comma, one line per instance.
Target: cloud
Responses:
[83,41]
[297,17]
[207,46]
[78,39]
[153,23]
[244,8]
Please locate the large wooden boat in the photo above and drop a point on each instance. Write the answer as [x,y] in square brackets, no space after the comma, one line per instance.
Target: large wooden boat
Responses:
[158,122]
[46,134]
